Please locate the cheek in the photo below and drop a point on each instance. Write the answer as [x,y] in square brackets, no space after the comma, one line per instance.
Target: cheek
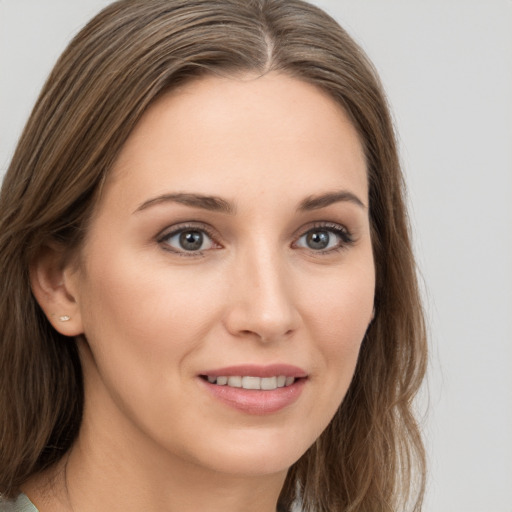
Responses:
[139,329]
[142,317]
[341,305]
[339,313]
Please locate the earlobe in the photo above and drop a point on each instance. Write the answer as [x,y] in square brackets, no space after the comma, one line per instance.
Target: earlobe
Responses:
[53,283]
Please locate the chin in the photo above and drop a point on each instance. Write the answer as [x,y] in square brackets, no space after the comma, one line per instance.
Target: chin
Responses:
[254,454]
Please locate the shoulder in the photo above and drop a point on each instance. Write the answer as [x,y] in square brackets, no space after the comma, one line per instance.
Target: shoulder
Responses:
[21,504]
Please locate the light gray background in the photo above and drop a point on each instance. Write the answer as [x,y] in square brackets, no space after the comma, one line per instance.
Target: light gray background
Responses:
[447,68]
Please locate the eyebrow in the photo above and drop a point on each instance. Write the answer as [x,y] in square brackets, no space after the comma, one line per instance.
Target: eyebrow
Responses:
[217,204]
[211,203]
[324,200]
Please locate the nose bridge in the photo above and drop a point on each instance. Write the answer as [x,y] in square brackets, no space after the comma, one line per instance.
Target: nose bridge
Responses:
[262,300]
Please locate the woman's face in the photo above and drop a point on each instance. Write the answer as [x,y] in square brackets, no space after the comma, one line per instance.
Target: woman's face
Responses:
[231,247]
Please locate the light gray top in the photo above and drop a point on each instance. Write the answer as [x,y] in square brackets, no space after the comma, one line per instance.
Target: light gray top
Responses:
[22,504]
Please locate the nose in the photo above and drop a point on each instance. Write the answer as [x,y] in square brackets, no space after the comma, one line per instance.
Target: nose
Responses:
[262,303]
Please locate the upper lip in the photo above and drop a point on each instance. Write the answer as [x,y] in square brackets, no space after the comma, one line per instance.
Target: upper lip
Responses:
[255,370]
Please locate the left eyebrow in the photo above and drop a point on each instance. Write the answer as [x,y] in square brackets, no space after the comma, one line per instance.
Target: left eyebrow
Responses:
[324,200]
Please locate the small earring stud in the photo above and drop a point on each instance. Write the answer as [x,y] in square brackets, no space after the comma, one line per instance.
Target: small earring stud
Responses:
[64,318]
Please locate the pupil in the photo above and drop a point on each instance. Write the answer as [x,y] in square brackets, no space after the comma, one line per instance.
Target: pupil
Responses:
[318,239]
[191,240]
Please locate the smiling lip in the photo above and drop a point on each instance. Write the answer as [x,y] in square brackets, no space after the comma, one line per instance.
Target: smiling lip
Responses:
[256,401]
[258,371]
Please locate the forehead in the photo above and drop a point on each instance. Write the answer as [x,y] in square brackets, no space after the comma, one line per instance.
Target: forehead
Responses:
[216,133]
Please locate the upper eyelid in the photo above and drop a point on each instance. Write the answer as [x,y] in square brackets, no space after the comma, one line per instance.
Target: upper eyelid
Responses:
[184,226]
[329,225]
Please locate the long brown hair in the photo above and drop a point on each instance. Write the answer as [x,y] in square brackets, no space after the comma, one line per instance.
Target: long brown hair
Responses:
[370,457]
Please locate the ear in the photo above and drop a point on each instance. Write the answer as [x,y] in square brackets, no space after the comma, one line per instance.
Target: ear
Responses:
[54,282]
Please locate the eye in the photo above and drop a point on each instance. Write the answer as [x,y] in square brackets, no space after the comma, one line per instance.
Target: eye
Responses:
[188,240]
[325,238]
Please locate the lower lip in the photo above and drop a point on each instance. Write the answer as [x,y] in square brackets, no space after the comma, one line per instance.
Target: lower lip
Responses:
[253,401]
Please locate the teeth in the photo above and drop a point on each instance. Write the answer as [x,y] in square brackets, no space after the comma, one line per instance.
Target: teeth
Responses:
[234,382]
[248,382]
[269,383]
[251,382]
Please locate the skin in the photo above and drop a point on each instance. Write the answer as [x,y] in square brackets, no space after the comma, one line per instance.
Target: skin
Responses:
[149,316]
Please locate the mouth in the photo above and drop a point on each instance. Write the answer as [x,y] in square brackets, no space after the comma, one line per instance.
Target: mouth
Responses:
[254,389]
[251,382]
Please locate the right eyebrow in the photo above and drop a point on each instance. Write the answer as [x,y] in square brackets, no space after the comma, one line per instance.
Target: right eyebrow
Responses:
[205,202]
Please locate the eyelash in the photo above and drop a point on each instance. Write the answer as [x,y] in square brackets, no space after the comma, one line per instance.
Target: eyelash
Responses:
[344,236]
[183,228]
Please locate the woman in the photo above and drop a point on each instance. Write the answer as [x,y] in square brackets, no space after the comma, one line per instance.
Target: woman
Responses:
[208,293]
